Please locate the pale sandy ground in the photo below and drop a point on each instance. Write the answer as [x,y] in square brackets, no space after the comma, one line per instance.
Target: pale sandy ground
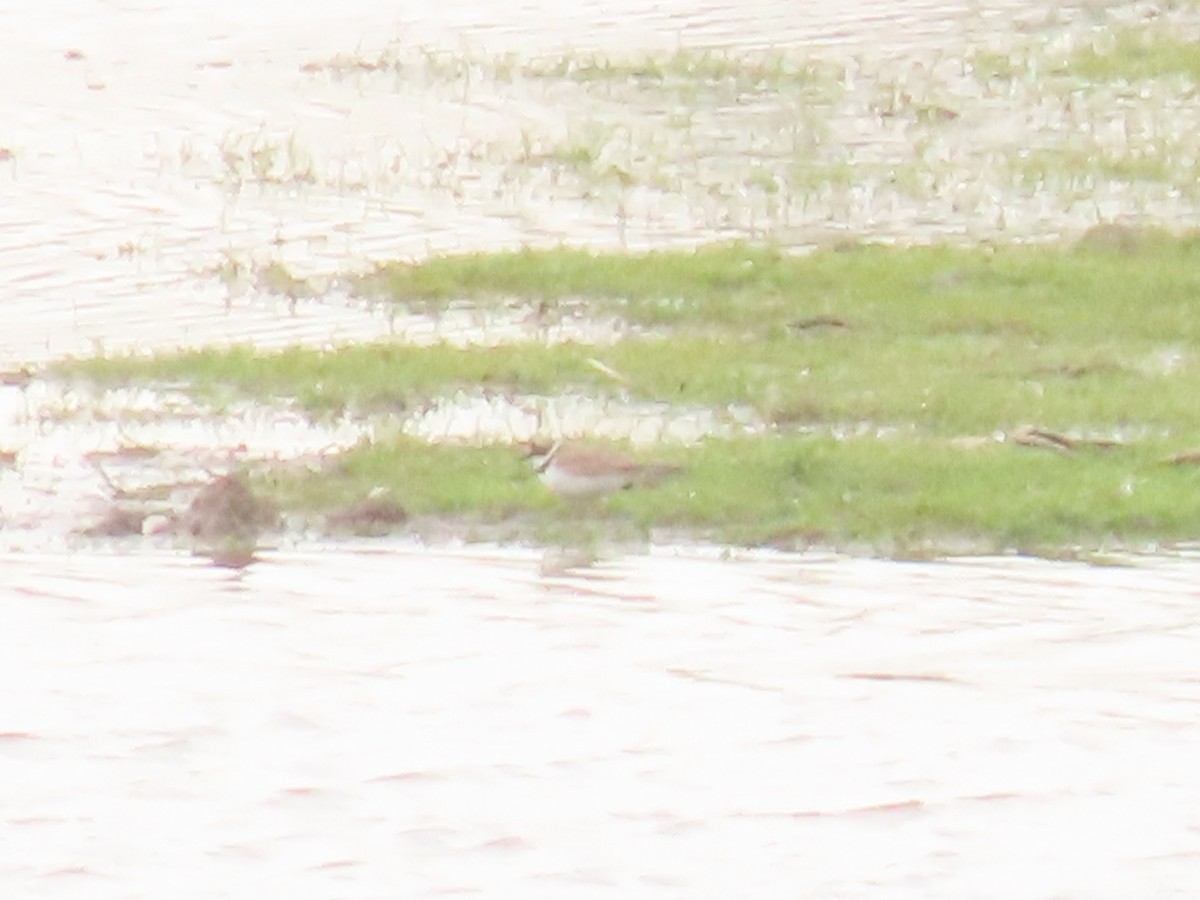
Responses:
[383,721]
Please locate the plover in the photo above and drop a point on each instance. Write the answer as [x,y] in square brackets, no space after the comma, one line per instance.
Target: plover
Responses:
[575,470]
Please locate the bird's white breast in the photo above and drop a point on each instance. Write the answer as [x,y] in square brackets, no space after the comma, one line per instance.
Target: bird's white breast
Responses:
[563,481]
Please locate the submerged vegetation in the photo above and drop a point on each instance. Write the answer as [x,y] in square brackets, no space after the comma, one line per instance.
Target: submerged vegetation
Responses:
[1138,54]
[893,383]
[1086,114]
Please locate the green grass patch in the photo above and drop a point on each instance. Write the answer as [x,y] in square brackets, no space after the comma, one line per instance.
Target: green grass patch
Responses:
[362,379]
[899,350]
[907,496]
[651,289]
[900,497]
[988,65]
[904,496]
[1099,338]
[1137,54]
[1064,166]
[486,484]
[736,72]
[743,287]
[972,377]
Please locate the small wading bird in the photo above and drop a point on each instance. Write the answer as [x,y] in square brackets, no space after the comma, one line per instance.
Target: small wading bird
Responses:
[573,470]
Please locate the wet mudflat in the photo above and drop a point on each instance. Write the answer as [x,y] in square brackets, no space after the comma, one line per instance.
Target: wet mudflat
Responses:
[379,721]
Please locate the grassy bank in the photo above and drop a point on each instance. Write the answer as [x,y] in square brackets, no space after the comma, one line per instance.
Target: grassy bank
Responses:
[889,376]
[902,497]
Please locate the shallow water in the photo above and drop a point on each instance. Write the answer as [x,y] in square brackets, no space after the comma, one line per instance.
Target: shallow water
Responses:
[149,147]
[391,720]
[379,721]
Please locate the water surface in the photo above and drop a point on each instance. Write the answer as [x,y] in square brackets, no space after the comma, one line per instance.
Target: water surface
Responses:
[378,721]
[392,720]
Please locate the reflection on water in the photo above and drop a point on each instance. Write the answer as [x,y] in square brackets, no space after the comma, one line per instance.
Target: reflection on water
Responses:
[381,720]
